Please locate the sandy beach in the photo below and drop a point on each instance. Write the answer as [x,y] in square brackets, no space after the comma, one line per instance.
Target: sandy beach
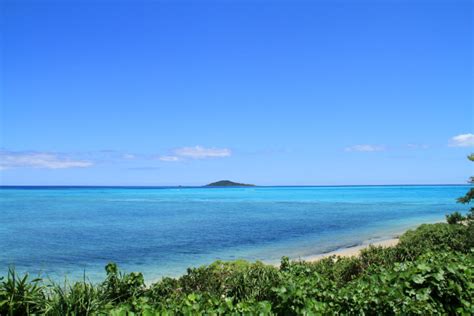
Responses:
[355,250]
[352,251]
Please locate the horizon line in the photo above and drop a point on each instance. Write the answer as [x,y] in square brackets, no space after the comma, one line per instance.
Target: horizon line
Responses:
[223,187]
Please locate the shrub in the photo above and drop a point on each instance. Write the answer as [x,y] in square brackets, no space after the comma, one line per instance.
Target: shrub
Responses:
[253,282]
[212,279]
[80,298]
[239,279]
[334,268]
[166,288]
[470,235]
[454,218]
[376,256]
[431,237]
[197,304]
[119,287]
[19,295]
[436,283]
[302,290]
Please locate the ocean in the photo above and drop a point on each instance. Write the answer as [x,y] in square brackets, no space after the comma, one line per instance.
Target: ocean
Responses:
[63,232]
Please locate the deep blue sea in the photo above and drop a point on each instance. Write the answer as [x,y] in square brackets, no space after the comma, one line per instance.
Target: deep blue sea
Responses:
[64,231]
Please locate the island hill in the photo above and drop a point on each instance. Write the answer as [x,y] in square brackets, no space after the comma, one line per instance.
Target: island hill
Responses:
[227,183]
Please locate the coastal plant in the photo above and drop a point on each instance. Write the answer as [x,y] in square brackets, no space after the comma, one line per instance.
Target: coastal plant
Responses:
[79,298]
[198,304]
[253,281]
[469,196]
[436,283]
[166,288]
[302,291]
[19,295]
[467,199]
[204,279]
[344,269]
[217,277]
[335,268]
[120,287]
[454,218]
[209,279]
[431,237]
[376,256]
[470,235]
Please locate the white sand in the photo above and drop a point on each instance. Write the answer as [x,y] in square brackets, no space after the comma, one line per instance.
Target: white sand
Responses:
[352,251]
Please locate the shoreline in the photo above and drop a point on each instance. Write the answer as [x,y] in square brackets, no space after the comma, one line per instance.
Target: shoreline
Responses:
[353,250]
[341,252]
[389,240]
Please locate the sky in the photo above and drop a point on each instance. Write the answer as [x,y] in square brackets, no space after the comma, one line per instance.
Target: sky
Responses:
[265,92]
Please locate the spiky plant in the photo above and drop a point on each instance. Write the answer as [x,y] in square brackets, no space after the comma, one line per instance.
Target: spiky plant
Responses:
[79,298]
[21,296]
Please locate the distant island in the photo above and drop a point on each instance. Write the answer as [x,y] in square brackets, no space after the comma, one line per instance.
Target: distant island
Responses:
[227,183]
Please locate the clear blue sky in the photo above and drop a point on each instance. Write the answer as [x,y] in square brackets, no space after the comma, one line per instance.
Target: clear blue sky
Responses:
[265,92]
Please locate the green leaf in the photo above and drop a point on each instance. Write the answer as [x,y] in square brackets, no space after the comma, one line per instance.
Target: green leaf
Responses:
[418,279]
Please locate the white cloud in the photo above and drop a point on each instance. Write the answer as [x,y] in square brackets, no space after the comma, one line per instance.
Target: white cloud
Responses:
[9,159]
[196,152]
[169,158]
[462,140]
[199,152]
[418,146]
[129,156]
[365,148]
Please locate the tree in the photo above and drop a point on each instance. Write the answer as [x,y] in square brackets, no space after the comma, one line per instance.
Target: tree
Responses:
[466,199]
[454,218]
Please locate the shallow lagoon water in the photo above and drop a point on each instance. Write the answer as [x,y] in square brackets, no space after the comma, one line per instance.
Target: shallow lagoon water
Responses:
[66,231]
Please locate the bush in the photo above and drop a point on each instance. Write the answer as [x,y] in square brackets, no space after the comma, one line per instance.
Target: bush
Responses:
[334,268]
[454,218]
[166,288]
[238,279]
[375,256]
[302,290]
[20,296]
[253,282]
[431,237]
[470,235]
[212,279]
[436,283]
[80,298]
[119,287]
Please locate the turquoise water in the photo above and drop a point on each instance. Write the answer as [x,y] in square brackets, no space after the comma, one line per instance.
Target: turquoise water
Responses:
[161,231]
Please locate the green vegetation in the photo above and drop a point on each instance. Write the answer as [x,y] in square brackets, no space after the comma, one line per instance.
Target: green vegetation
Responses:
[466,199]
[468,220]
[430,271]
[227,183]
[454,218]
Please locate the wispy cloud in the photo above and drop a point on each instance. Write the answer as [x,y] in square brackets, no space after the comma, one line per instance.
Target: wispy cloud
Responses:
[196,152]
[128,156]
[169,158]
[146,168]
[199,152]
[462,140]
[418,146]
[365,148]
[11,159]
